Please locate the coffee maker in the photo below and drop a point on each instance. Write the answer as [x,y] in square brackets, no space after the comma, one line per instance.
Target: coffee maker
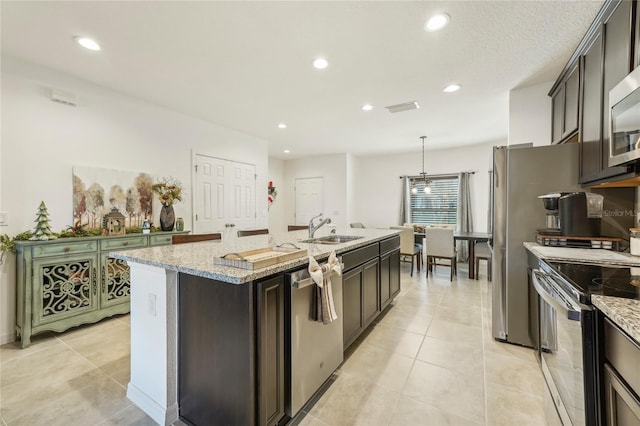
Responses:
[550,202]
[580,214]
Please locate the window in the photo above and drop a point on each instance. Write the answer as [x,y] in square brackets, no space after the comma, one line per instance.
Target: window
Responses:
[438,207]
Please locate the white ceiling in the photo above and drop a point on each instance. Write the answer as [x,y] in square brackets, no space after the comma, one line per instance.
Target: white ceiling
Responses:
[247,65]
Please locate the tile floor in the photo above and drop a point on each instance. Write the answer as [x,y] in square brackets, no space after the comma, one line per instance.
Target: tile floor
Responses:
[430,360]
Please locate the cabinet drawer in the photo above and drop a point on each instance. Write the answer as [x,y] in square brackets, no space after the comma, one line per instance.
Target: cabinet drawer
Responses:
[360,255]
[121,243]
[159,240]
[390,244]
[65,247]
[623,353]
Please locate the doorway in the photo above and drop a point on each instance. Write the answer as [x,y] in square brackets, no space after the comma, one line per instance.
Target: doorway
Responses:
[225,195]
[309,199]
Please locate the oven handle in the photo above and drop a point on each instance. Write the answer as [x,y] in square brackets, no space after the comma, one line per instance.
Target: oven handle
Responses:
[566,311]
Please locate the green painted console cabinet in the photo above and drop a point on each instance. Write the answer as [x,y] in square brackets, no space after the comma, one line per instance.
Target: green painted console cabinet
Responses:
[67,282]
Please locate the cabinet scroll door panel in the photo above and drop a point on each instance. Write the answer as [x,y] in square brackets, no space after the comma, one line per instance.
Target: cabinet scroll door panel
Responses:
[64,288]
[225,195]
[115,279]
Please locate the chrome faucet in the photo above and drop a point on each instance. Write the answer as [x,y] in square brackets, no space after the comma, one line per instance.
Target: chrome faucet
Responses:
[312,228]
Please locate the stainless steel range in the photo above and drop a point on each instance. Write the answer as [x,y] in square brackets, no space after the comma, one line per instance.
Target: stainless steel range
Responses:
[568,332]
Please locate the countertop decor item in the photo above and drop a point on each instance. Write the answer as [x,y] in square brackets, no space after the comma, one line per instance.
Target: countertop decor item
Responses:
[115,222]
[42,231]
[169,191]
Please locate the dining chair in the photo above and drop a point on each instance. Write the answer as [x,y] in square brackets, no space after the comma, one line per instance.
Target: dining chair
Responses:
[408,248]
[248,232]
[441,248]
[357,225]
[297,227]
[482,252]
[194,238]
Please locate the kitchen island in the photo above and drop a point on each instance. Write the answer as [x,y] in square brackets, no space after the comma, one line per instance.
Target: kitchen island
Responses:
[244,309]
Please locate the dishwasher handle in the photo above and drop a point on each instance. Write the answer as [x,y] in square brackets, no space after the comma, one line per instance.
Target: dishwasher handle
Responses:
[301,278]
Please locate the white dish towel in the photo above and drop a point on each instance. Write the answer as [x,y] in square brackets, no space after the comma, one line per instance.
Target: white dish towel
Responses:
[324,310]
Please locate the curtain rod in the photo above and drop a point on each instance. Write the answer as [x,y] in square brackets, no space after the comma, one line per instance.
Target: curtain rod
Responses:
[444,175]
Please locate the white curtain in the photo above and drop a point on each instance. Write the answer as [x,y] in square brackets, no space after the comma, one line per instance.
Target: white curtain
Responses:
[405,202]
[465,217]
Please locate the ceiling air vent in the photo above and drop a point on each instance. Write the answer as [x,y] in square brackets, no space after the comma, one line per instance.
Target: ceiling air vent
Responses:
[403,107]
[63,97]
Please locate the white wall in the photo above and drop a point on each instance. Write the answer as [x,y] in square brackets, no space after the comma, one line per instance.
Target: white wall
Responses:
[276,211]
[42,141]
[530,115]
[378,186]
[333,168]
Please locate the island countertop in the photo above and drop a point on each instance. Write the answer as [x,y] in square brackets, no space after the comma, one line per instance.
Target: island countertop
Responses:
[197,258]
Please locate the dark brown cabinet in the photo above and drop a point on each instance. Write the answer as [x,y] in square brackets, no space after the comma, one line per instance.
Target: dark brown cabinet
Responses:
[590,123]
[271,403]
[389,277]
[352,324]
[621,377]
[231,351]
[360,287]
[370,281]
[370,291]
[603,58]
[564,122]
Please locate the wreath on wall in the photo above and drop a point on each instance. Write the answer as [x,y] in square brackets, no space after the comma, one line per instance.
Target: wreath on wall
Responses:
[272,193]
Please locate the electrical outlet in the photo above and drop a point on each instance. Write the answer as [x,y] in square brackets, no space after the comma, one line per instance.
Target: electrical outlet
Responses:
[4,218]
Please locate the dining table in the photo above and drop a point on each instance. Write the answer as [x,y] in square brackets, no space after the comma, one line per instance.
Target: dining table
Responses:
[472,237]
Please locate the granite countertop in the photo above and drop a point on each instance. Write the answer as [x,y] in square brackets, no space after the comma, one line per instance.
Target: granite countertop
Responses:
[197,258]
[567,254]
[624,312]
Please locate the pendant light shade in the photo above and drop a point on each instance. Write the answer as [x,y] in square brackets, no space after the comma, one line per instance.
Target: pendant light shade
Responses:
[427,182]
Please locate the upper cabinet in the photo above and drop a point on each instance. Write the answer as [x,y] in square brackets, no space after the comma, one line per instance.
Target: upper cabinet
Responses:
[564,121]
[580,96]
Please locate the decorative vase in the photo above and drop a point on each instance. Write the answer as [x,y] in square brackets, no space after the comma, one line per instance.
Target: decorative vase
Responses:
[179,224]
[167,218]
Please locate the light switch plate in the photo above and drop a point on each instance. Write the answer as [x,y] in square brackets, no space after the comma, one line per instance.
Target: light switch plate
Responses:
[4,218]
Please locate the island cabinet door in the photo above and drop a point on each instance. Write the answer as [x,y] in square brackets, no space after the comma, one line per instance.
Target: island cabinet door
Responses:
[370,295]
[271,404]
[394,273]
[385,284]
[352,305]
[216,352]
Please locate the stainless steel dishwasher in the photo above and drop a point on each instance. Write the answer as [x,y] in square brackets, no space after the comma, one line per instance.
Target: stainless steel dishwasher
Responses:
[316,348]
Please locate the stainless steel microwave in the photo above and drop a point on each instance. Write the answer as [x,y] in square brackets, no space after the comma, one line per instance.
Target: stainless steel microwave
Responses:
[624,115]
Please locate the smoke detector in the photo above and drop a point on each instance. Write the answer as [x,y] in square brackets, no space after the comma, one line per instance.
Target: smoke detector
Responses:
[403,107]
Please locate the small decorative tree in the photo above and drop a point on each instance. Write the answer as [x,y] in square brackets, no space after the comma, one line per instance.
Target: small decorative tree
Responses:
[42,231]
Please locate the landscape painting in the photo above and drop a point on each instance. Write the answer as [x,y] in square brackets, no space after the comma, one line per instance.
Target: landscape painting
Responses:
[96,191]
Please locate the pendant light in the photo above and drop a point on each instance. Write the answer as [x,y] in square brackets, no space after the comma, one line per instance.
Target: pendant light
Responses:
[423,175]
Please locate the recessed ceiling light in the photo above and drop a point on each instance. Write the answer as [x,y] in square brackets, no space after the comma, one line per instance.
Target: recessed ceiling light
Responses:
[437,22]
[87,43]
[320,63]
[451,88]
[282,126]
[367,107]
[286,151]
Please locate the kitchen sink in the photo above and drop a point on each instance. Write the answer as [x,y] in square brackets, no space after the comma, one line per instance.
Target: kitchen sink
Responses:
[332,239]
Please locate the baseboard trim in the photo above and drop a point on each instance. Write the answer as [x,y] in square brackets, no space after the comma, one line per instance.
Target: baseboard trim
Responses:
[7,338]
[161,415]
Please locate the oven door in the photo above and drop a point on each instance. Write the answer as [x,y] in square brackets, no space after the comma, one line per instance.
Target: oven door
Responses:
[561,348]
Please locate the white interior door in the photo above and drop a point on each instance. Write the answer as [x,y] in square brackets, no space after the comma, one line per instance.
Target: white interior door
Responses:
[225,194]
[309,199]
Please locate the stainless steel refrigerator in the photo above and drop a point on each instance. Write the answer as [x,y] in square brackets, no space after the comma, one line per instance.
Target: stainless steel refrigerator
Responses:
[520,174]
